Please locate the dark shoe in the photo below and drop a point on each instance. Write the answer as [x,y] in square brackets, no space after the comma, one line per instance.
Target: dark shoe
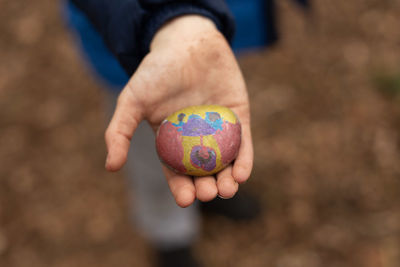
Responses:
[242,207]
[180,257]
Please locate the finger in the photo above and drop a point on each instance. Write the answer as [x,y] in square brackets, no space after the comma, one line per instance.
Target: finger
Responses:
[244,161]
[127,116]
[227,186]
[182,187]
[206,188]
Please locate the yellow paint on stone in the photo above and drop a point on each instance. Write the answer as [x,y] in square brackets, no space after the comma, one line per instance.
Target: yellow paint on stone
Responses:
[188,143]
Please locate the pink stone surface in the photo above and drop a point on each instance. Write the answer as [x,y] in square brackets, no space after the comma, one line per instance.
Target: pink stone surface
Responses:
[228,141]
[169,147]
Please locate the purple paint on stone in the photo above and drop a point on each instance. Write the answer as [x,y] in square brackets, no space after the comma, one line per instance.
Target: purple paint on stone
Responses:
[203,157]
[196,126]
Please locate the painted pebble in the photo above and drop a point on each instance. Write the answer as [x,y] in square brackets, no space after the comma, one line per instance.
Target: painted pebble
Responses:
[199,140]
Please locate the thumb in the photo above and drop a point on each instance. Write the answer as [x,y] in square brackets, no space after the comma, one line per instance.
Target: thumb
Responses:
[127,116]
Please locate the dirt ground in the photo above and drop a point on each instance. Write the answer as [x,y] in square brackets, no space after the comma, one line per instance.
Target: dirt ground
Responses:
[326,126]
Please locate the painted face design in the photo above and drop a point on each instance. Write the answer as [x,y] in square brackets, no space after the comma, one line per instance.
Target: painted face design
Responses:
[201,156]
[204,138]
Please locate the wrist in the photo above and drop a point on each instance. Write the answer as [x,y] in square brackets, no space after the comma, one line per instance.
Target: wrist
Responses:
[183,30]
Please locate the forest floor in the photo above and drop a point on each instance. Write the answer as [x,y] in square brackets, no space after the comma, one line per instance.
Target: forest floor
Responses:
[326,125]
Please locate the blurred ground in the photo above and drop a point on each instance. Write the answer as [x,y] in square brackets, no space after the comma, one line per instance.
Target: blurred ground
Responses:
[326,121]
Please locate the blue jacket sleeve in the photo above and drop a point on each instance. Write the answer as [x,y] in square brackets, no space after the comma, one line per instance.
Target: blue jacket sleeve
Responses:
[128,26]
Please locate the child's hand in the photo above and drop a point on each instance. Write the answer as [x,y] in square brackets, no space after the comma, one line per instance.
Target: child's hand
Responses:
[190,63]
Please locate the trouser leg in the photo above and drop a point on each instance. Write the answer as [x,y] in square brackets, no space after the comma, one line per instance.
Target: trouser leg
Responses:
[159,218]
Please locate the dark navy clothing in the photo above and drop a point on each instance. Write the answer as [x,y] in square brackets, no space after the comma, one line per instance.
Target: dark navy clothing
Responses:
[115,35]
[127,26]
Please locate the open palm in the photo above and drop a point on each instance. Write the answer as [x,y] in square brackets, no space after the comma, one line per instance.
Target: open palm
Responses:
[190,63]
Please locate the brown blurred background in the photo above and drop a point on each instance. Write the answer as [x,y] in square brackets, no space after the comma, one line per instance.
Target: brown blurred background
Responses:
[326,125]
